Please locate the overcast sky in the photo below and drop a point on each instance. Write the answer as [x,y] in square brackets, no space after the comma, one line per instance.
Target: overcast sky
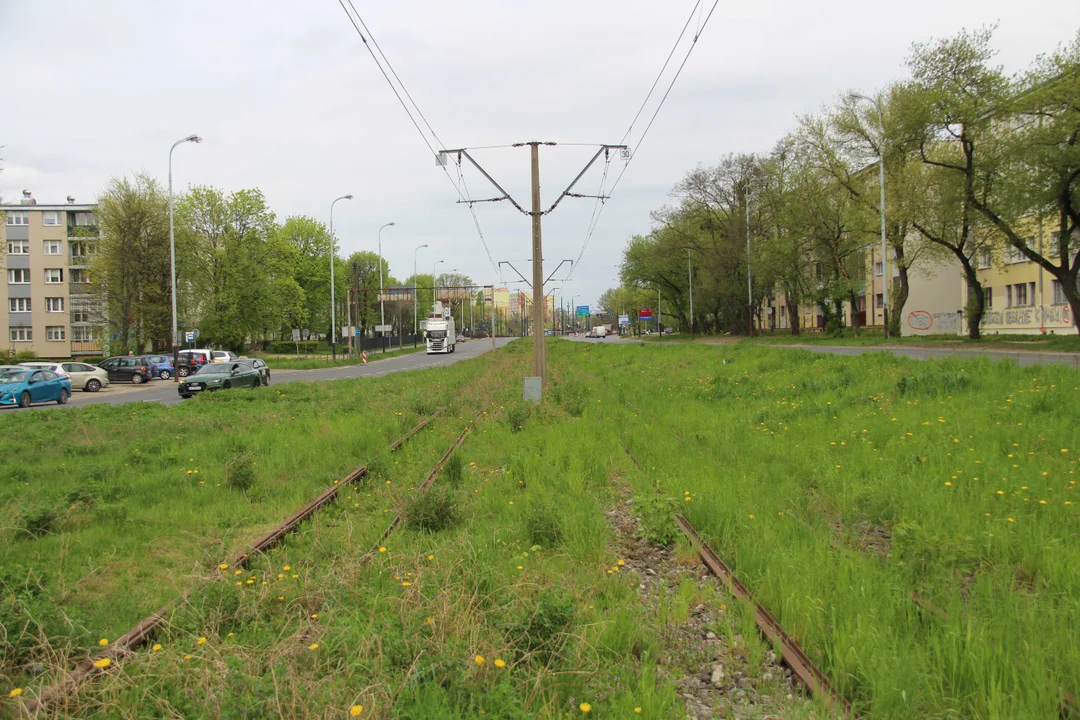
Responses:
[288,100]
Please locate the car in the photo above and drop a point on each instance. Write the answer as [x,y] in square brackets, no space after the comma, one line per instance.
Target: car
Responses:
[223,356]
[220,376]
[23,386]
[460,339]
[257,364]
[43,365]
[186,366]
[160,366]
[85,377]
[196,359]
[128,369]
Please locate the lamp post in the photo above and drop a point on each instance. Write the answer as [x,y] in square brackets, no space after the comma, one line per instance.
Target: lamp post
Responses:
[881,185]
[434,293]
[382,310]
[690,274]
[333,253]
[415,288]
[172,260]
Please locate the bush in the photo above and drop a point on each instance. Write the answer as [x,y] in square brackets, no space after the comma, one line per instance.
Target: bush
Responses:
[240,472]
[516,415]
[542,630]
[433,510]
[544,526]
[658,513]
[288,347]
[36,522]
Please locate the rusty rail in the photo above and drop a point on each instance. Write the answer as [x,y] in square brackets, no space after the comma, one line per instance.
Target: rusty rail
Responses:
[142,630]
[799,662]
[428,482]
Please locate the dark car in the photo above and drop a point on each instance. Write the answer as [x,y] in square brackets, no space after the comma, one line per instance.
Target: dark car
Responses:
[257,364]
[128,369]
[186,366]
[192,360]
[220,376]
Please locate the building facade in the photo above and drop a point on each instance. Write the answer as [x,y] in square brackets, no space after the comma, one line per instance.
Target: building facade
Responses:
[47,308]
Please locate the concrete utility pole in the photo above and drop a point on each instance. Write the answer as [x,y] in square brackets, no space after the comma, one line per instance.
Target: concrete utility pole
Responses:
[333,254]
[415,289]
[382,309]
[881,185]
[539,361]
[749,277]
[690,274]
[172,263]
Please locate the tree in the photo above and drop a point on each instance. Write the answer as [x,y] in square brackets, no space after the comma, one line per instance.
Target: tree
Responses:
[311,239]
[131,273]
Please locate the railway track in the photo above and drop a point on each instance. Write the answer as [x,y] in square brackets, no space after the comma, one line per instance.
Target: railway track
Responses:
[135,637]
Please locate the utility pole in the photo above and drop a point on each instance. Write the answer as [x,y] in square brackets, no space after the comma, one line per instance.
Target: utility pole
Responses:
[749,278]
[536,214]
[690,274]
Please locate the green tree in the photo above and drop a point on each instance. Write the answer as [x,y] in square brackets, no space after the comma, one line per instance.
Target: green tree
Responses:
[311,239]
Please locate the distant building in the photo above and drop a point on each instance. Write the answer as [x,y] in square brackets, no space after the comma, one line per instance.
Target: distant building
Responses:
[46,304]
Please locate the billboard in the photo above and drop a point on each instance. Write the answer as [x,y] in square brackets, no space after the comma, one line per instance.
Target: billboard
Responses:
[583,311]
[644,314]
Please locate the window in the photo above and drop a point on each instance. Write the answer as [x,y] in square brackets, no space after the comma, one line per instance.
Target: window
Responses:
[54,276]
[1008,296]
[878,300]
[18,277]
[18,217]
[1013,254]
[79,276]
[54,304]
[988,298]
[18,304]
[1020,292]
[984,258]
[84,218]
[1059,294]
[18,247]
[22,334]
[1032,296]
[81,249]
[54,332]
[877,268]
[53,247]
[861,303]
[53,217]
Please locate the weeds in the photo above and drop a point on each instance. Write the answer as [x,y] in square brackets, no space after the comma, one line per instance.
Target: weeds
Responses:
[453,470]
[432,511]
[240,472]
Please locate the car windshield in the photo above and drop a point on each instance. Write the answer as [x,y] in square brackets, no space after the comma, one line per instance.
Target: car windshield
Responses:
[217,369]
[437,333]
[9,375]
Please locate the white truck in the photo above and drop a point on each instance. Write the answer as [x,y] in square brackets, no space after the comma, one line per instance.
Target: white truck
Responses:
[439,332]
[597,331]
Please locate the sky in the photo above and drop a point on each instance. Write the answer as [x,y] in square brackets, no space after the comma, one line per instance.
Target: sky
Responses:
[289,100]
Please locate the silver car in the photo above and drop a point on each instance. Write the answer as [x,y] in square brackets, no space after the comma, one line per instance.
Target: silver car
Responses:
[88,378]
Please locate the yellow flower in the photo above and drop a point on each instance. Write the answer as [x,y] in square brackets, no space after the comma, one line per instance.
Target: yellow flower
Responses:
[187,657]
[637,710]
[280,576]
[723,607]
[313,646]
[479,659]
[1042,502]
[500,663]
[15,693]
[1064,450]
[1000,492]
[237,572]
[406,584]
[948,484]
[223,566]
[430,557]
[250,582]
[281,598]
[1011,520]
[585,707]
[355,710]
[202,641]
[751,517]
[382,549]
[686,499]
[102,663]
[314,616]
[157,646]
[521,567]
[286,568]
[196,471]
[431,621]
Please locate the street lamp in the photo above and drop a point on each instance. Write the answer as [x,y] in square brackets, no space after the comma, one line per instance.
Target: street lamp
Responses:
[881,184]
[333,253]
[434,293]
[415,288]
[172,260]
[382,311]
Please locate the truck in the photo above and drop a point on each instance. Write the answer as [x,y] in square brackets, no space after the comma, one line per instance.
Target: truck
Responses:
[440,336]
[598,331]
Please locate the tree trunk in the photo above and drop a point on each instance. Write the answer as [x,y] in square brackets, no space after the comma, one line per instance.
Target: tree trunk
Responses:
[976,303]
[793,318]
[854,314]
[1067,278]
[902,297]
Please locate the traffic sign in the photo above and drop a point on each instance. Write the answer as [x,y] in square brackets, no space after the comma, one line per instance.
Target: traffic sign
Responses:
[644,314]
[357,331]
[583,311]
[189,337]
[624,320]
[383,328]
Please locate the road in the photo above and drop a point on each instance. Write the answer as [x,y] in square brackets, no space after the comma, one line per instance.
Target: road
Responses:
[164,391]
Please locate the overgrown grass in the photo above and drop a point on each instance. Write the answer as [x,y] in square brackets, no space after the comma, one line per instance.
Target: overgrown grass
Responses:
[1062,342]
[315,362]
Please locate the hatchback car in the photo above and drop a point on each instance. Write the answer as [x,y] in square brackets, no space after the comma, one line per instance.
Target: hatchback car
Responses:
[257,364]
[160,366]
[25,385]
[195,360]
[223,356]
[219,376]
[43,365]
[128,369]
[88,378]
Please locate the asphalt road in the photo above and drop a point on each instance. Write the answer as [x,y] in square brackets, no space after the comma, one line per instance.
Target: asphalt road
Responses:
[164,391]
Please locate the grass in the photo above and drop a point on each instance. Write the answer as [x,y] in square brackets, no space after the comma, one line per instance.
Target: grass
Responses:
[1053,343]
[836,487]
[315,362]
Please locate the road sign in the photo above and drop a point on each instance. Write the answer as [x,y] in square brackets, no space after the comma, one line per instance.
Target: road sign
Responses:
[194,333]
[296,334]
[583,311]
[383,328]
[624,320]
[357,333]
[189,337]
[644,314]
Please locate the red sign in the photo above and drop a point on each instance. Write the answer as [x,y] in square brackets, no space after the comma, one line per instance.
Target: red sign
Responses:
[644,314]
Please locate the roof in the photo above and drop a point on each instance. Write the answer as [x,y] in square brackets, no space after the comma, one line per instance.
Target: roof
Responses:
[49,208]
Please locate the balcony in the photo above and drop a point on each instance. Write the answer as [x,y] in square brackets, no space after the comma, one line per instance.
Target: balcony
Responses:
[83,231]
[85,347]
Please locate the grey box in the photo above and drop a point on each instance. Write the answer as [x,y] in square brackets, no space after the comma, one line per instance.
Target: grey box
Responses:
[533,389]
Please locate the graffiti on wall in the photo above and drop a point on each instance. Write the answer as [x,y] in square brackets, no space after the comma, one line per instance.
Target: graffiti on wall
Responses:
[923,321]
[1046,315]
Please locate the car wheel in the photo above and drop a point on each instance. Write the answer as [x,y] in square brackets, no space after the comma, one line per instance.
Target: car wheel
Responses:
[226,385]
[267,380]
[137,378]
[186,396]
[182,372]
[93,385]
[63,397]
[165,374]
[24,399]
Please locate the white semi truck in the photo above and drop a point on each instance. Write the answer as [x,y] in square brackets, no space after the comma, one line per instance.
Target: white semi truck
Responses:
[439,332]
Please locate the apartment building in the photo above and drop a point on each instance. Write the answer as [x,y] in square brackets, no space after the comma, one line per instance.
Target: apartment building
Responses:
[45,304]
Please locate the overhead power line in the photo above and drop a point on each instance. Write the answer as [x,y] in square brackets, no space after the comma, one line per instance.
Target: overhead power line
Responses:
[701,28]
[354,19]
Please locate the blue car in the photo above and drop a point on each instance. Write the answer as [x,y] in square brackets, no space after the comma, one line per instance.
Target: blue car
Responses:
[160,366]
[25,385]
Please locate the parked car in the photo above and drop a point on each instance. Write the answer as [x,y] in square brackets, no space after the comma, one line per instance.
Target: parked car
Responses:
[187,366]
[88,378]
[223,356]
[25,385]
[196,359]
[128,369]
[257,364]
[160,366]
[220,376]
[460,339]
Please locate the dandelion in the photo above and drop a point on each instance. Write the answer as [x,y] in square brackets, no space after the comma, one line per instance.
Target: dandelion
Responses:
[430,557]
[406,584]
[314,616]
[187,657]
[585,707]
[723,607]
[1042,502]
[1000,492]
[479,659]
[238,572]
[286,568]
[622,563]
[382,549]
[102,663]
[431,621]
[686,499]
[751,517]
[520,567]
[156,648]
[948,484]
[202,640]
[313,646]
[250,582]
[1064,450]
[1011,520]
[355,710]
[637,710]
[196,471]
[223,566]
[500,663]
[15,693]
